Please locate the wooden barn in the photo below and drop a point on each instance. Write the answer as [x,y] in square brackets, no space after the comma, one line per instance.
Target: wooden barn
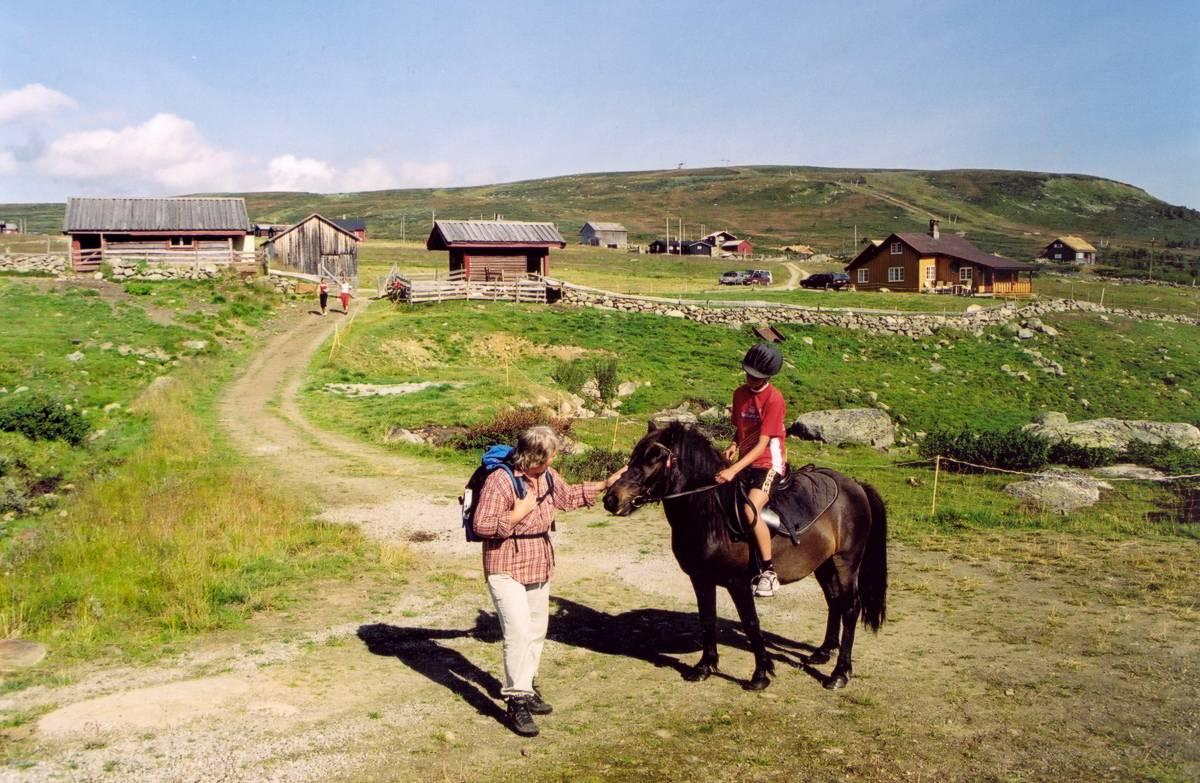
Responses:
[501,250]
[315,246]
[737,247]
[356,226]
[718,238]
[611,235]
[158,230]
[938,264]
[697,247]
[1075,249]
[660,246]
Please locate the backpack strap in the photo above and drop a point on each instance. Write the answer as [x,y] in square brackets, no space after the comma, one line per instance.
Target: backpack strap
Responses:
[518,485]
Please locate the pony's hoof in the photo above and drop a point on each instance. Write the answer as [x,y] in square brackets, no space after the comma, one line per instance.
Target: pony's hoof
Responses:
[837,681]
[757,683]
[819,657]
[699,673]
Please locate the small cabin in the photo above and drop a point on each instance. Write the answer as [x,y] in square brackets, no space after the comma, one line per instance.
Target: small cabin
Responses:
[1070,249]
[610,235]
[356,226]
[697,247]
[737,247]
[315,246]
[501,250]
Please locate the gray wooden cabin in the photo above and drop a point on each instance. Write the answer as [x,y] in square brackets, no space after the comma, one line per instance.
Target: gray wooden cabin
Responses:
[315,246]
[611,235]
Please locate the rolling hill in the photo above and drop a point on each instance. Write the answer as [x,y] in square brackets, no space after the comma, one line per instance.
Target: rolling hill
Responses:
[1011,212]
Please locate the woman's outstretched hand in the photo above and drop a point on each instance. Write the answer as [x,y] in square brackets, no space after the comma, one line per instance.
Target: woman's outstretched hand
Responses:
[615,477]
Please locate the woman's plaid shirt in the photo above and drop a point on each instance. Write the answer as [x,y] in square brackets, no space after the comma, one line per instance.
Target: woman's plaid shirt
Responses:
[527,560]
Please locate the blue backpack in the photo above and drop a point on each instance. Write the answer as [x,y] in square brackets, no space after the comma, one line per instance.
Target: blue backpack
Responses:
[497,457]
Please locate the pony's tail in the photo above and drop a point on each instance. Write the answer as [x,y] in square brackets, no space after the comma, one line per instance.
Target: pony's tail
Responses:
[873,575]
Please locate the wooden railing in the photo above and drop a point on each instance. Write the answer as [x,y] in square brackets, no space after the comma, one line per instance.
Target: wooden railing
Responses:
[421,288]
[90,260]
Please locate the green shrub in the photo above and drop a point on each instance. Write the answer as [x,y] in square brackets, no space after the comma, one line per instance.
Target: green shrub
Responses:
[1167,457]
[606,378]
[139,288]
[1013,449]
[40,417]
[571,375]
[506,427]
[1077,456]
[591,465]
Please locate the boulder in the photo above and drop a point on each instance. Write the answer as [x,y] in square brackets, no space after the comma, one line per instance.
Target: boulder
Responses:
[868,426]
[1136,472]
[1060,491]
[1115,433]
[401,435]
[680,414]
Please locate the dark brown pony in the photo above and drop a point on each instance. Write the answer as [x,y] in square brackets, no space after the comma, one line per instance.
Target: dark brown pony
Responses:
[846,547]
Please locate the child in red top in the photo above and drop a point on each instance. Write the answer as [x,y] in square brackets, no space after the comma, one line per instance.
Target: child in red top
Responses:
[759,412]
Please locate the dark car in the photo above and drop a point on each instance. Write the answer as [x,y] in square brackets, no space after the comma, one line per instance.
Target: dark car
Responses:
[827,280]
[760,277]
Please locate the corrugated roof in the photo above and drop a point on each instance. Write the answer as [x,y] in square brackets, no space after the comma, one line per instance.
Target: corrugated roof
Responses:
[156,214]
[313,216]
[351,224]
[604,226]
[494,232]
[1078,244]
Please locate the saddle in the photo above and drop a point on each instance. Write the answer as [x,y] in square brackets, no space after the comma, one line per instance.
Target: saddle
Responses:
[798,499]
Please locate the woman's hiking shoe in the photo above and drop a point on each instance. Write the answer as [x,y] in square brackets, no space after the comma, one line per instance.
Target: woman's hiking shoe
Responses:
[538,705]
[520,718]
[765,584]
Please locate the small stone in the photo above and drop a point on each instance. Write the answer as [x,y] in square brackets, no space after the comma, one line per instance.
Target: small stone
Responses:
[75,357]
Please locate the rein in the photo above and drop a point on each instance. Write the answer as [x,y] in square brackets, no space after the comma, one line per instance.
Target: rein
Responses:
[670,464]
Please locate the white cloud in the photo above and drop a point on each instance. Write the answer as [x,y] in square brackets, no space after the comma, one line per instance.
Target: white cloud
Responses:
[370,174]
[32,100]
[287,172]
[8,162]
[165,152]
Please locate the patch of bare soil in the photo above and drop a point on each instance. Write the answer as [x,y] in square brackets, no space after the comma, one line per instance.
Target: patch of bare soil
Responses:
[1011,659]
[514,346]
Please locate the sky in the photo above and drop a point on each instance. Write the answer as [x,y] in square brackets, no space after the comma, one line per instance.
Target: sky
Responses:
[154,98]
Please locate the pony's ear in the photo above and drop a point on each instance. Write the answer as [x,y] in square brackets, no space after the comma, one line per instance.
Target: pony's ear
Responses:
[650,427]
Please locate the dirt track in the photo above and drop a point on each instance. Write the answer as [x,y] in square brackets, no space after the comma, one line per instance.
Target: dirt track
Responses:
[1014,664]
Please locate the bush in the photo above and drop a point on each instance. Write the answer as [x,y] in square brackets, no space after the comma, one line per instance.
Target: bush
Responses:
[591,465]
[1076,456]
[506,426]
[571,375]
[136,288]
[1013,449]
[1167,457]
[40,417]
[606,378]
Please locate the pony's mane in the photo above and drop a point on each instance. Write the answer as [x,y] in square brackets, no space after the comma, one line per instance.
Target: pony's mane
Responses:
[695,452]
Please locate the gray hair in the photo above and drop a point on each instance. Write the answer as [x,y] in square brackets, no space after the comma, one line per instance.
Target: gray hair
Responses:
[535,446]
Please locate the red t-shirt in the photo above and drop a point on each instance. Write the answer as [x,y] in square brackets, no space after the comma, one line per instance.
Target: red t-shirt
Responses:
[761,413]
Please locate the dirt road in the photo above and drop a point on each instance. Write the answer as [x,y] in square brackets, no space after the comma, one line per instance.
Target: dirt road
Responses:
[1002,659]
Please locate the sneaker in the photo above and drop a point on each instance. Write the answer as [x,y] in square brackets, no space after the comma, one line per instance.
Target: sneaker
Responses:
[765,584]
[538,705]
[520,718]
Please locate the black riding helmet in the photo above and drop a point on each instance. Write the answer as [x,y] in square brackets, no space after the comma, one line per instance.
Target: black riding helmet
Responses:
[762,360]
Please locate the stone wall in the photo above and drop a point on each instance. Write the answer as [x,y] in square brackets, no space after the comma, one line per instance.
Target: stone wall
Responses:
[906,324]
[46,263]
[120,271]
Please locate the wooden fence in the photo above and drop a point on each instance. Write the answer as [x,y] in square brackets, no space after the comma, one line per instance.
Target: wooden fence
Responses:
[90,260]
[444,287]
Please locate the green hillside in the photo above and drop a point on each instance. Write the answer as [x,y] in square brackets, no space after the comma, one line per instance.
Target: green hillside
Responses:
[1012,212]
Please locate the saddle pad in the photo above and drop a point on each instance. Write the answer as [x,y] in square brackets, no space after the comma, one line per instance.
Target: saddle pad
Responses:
[802,496]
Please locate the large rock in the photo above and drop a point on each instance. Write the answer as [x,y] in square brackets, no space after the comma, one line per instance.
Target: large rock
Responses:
[680,414]
[1114,433]
[20,654]
[1060,491]
[868,426]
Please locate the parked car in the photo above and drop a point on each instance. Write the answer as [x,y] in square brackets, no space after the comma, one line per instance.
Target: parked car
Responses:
[760,277]
[733,278]
[838,281]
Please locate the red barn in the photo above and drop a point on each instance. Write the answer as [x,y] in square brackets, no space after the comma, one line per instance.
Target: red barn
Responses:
[740,247]
[496,249]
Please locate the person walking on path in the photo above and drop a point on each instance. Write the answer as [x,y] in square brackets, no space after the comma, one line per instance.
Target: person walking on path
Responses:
[345,295]
[759,413]
[518,561]
[323,295]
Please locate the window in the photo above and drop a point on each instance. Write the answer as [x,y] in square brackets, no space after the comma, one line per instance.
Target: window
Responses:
[897,248]
[895,274]
[863,274]
[930,273]
[183,242]
[1058,256]
[964,274]
[1078,256]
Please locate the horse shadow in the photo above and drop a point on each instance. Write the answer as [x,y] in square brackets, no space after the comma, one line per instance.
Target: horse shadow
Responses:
[659,637]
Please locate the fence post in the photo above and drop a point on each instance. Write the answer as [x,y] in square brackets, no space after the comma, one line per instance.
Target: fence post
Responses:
[937,469]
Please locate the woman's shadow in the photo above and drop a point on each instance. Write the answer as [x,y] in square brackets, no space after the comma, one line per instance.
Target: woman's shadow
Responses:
[659,637]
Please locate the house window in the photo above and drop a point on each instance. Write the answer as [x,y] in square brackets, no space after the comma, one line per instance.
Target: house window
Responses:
[895,274]
[1058,256]
[1079,256]
[863,274]
[964,274]
[930,273]
[186,242]
[897,248]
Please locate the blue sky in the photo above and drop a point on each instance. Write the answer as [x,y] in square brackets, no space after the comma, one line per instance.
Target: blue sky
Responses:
[146,98]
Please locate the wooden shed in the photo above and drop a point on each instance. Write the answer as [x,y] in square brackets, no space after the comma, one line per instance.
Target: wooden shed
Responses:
[158,230]
[940,264]
[356,226]
[737,247]
[315,246]
[502,250]
[1070,248]
[611,235]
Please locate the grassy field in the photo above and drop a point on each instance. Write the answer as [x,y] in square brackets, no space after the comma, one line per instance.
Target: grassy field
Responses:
[1012,212]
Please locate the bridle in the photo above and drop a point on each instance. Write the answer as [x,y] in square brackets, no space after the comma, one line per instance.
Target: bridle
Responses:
[641,500]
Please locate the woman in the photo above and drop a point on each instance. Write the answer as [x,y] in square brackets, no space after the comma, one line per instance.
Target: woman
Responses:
[323,295]
[345,295]
[518,561]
